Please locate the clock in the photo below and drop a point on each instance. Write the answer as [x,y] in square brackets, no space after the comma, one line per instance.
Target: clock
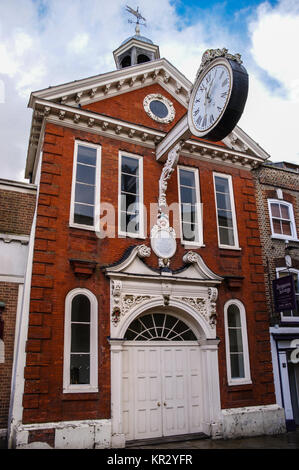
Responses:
[218,98]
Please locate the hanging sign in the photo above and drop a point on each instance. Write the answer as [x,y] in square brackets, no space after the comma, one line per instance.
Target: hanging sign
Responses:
[284,293]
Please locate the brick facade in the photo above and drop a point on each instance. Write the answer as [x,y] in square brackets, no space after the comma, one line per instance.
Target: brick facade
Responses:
[53,277]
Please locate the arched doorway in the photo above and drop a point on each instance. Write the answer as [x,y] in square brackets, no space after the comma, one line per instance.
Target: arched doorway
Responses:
[161,377]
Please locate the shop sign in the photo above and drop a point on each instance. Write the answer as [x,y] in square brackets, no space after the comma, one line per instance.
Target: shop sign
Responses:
[284,293]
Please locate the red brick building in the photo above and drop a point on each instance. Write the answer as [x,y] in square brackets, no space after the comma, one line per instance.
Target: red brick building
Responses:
[120,347]
[17,204]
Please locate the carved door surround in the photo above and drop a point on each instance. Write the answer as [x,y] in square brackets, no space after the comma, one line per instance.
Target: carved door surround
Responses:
[191,294]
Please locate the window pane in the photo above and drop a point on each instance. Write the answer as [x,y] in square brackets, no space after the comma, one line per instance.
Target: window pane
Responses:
[226,236]
[235,340]
[233,316]
[275,210]
[158,108]
[189,232]
[83,214]
[223,201]
[86,174]
[129,222]
[81,309]
[129,203]
[80,341]
[188,195]
[80,369]
[237,366]
[284,211]
[130,165]
[221,185]
[225,218]
[189,213]
[129,184]
[187,178]
[286,227]
[87,155]
[84,193]
[276,226]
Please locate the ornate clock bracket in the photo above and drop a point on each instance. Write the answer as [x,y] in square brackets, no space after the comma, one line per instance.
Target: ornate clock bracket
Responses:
[162,235]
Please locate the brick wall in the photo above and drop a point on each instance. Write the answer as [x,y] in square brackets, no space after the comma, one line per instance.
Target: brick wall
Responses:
[16,211]
[56,243]
[9,295]
[267,180]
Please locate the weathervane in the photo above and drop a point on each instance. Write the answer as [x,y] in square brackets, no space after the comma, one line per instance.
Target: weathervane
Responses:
[137,14]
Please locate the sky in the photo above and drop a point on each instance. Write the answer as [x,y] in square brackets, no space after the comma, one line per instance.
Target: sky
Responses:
[49,42]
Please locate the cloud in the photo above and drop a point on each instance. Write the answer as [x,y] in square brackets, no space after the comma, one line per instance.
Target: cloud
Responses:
[272,114]
[50,42]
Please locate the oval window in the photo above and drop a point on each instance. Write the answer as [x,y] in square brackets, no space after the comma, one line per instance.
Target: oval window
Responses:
[159,108]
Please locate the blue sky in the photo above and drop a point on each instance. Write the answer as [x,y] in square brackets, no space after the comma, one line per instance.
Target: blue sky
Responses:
[50,42]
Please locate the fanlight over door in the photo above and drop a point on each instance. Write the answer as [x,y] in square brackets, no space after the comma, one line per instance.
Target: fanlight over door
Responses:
[159,327]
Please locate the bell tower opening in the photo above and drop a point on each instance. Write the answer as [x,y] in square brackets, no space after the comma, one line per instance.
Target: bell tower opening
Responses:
[136,49]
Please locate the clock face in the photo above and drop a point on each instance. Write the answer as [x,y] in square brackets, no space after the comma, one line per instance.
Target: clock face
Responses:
[211,97]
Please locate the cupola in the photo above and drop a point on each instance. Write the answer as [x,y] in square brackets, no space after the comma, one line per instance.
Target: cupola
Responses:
[136,49]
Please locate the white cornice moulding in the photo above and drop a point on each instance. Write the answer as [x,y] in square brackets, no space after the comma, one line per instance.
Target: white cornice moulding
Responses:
[100,124]
[142,75]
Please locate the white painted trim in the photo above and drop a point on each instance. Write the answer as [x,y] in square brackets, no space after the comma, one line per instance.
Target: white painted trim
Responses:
[200,242]
[247,377]
[274,235]
[93,386]
[141,233]
[18,187]
[233,210]
[18,380]
[59,91]
[9,237]
[11,278]
[96,226]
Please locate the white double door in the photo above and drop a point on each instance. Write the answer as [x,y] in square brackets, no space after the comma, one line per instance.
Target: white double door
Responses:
[161,389]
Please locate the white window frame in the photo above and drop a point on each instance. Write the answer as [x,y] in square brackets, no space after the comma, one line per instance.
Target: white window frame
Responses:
[284,318]
[198,243]
[234,217]
[93,385]
[292,220]
[121,233]
[96,226]
[247,376]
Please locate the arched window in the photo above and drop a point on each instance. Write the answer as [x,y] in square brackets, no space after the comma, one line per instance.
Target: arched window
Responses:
[159,327]
[80,342]
[237,356]
[142,58]
[126,62]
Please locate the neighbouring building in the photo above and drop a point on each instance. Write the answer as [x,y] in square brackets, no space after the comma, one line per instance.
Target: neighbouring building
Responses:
[17,204]
[278,210]
[113,346]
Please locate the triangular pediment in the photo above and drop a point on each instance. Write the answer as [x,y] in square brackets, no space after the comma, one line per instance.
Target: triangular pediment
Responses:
[132,264]
[93,89]
[73,103]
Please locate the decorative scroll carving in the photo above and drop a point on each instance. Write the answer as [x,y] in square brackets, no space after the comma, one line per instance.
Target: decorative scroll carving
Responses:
[213,295]
[211,54]
[143,251]
[168,169]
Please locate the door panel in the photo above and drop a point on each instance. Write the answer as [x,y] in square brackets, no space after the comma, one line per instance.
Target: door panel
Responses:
[161,391]
[174,391]
[147,379]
